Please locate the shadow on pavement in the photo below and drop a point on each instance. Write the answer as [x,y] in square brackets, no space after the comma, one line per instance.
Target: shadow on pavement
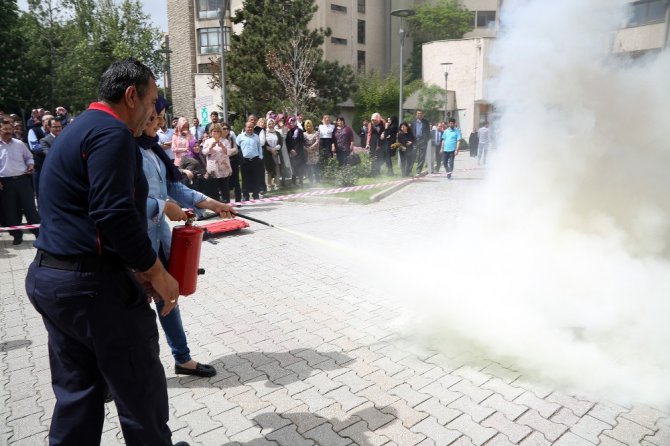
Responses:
[357,428]
[274,369]
[14,345]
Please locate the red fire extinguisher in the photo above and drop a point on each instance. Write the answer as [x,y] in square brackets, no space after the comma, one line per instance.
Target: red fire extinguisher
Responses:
[185,254]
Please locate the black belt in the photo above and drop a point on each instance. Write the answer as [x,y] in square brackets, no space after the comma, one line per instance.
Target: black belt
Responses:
[17,177]
[85,264]
[251,159]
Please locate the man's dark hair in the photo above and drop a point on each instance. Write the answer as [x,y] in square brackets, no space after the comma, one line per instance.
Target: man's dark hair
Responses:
[452,120]
[52,120]
[214,113]
[122,74]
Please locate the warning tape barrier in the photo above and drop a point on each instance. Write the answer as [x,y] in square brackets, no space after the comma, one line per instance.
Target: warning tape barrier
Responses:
[315,193]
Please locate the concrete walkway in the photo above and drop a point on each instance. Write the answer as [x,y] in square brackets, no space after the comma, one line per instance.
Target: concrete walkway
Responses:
[306,352]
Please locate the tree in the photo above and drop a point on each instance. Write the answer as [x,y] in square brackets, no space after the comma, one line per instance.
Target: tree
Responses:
[57,50]
[378,94]
[18,79]
[431,100]
[292,64]
[254,86]
[442,20]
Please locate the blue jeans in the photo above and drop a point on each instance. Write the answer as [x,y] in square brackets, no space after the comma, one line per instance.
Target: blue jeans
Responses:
[448,159]
[174,333]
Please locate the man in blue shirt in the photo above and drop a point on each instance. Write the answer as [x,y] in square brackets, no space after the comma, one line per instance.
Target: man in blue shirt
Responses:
[251,165]
[451,140]
[102,331]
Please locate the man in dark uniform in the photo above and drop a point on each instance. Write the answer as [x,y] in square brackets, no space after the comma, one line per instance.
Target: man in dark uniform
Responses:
[102,331]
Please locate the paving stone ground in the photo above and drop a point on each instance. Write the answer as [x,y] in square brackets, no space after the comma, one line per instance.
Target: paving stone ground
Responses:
[307,354]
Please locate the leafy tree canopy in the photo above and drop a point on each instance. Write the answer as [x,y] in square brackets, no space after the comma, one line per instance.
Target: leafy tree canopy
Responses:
[379,94]
[255,88]
[64,46]
[441,20]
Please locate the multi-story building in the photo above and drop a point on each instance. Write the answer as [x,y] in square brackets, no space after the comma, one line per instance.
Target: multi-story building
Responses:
[466,62]
[359,38]
[647,31]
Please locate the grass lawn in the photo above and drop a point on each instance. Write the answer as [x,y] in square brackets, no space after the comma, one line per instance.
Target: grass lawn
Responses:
[362,197]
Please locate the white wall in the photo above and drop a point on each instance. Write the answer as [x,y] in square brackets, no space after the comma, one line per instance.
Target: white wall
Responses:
[641,38]
[467,74]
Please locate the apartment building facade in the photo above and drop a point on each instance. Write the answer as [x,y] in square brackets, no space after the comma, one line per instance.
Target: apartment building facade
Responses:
[359,38]
[646,32]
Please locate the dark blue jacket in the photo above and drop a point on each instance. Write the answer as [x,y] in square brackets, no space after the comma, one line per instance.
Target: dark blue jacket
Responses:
[93,192]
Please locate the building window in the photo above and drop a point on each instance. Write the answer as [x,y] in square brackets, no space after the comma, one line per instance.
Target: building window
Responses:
[485,19]
[210,40]
[361,61]
[204,68]
[361,6]
[207,9]
[338,41]
[361,32]
[647,11]
[338,8]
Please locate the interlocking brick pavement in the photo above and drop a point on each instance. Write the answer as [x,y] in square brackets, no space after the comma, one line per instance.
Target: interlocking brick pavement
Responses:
[307,353]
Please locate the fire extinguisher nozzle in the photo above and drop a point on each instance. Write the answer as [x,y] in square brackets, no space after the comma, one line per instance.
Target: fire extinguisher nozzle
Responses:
[246,217]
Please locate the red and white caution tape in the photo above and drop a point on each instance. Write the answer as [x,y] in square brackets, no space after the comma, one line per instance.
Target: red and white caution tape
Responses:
[315,193]
[341,190]
[18,228]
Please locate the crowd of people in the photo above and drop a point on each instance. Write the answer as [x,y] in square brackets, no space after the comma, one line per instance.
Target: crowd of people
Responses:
[105,197]
[272,152]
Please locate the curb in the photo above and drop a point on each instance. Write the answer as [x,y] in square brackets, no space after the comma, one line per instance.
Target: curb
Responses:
[388,191]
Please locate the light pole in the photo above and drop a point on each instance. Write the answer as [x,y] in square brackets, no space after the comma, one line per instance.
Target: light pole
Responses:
[167,81]
[221,12]
[446,91]
[402,13]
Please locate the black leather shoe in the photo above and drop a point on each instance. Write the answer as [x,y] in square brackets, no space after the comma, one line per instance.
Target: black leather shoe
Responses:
[182,443]
[17,241]
[202,370]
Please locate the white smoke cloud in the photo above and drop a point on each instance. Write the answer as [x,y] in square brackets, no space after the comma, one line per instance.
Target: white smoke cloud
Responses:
[560,266]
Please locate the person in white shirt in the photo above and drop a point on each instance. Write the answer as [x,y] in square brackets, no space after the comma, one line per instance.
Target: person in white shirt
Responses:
[16,186]
[484,141]
[325,140]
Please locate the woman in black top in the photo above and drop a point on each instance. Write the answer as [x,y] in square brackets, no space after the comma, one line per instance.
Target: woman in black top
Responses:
[407,151]
[390,136]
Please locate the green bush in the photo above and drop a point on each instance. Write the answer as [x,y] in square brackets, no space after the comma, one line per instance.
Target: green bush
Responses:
[347,175]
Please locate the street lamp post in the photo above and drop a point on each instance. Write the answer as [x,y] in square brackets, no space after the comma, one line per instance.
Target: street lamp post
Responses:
[446,91]
[167,81]
[221,12]
[402,13]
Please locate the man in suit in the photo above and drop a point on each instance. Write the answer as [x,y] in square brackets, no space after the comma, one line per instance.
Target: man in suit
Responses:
[54,126]
[421,130]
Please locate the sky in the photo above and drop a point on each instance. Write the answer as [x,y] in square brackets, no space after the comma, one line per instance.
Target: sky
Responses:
[156,9]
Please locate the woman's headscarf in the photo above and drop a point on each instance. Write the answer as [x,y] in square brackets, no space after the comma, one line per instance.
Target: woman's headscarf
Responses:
[304,125]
